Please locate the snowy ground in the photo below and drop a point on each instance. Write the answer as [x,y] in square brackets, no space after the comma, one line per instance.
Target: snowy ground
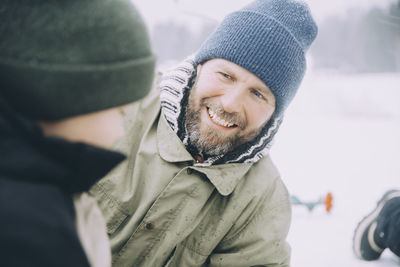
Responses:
[341,135]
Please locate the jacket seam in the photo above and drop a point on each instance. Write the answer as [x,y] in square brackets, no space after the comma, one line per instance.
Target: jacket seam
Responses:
[115,202]
[193,250]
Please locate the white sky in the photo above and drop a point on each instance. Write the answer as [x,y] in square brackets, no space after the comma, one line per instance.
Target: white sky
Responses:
[160,10]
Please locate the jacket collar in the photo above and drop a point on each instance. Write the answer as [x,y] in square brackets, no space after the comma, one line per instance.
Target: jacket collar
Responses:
[224,177]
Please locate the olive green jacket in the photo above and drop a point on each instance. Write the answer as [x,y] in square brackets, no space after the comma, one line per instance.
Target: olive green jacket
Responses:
[162,209]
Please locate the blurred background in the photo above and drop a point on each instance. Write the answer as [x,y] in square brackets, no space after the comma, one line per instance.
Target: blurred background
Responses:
[342,132]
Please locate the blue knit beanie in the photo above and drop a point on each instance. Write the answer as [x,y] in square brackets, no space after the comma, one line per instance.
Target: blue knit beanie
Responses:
[268,38]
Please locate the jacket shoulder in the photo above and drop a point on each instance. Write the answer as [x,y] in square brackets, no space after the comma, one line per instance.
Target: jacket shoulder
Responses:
[263,222]
[262,176]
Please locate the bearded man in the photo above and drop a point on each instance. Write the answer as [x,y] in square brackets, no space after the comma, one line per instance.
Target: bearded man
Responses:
[200,188]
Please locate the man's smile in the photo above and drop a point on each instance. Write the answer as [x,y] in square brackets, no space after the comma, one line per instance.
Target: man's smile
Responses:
[218,120]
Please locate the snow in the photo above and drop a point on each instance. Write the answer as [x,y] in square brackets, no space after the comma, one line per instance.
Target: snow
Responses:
[340,135]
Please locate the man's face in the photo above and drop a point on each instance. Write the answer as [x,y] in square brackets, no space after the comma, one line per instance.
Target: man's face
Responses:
[228,106]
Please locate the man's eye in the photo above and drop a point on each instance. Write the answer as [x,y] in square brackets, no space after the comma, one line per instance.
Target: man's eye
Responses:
[258,94]
[226,76]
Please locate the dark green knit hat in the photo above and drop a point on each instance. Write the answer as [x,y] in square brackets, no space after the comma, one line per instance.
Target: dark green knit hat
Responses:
[64,58]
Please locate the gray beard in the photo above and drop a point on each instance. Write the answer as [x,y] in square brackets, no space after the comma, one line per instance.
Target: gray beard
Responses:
[205,144]
[211,143]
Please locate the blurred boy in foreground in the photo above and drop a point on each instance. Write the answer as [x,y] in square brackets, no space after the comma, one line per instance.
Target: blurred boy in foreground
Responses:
[66,70]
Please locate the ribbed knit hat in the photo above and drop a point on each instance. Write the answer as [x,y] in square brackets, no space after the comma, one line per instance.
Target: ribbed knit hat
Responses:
[268,38]
[64,58]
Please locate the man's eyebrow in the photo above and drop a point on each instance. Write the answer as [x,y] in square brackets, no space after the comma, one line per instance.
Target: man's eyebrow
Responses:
[224,67]
[265,89]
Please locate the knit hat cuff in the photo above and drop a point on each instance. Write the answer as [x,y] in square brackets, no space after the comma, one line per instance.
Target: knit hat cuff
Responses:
[39,83]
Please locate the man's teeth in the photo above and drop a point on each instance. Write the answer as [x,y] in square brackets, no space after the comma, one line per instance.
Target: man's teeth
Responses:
[219,120]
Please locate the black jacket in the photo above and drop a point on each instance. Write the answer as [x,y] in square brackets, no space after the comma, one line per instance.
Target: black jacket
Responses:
[38,177]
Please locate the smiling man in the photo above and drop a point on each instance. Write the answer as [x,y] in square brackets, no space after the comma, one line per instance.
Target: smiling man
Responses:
[200,188]
[228,106]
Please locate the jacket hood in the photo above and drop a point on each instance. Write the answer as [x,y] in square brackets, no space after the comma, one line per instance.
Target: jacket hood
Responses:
[28,155]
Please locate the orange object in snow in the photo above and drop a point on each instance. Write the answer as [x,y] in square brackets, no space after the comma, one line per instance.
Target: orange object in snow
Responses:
[328,202]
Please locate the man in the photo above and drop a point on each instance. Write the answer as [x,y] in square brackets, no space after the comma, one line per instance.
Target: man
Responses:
[67,68]
[199,188]
[380,229]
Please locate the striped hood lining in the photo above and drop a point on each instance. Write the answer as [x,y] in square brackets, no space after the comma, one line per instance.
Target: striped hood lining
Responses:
[175,88]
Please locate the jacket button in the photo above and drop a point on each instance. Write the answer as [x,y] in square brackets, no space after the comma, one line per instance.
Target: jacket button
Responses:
[149,226]
[198,159]
[189,171]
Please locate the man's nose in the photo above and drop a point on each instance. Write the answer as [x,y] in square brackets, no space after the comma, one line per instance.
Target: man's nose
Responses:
[232,101]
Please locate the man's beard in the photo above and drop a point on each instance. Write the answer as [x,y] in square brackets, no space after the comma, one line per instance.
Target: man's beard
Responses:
[209,141]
